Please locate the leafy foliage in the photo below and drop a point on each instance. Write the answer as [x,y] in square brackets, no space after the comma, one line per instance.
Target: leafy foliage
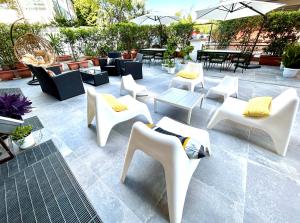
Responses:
[21,132]
[56,43]
[87,11]
[281,29]
[291,56]
[12,105]
[115,11]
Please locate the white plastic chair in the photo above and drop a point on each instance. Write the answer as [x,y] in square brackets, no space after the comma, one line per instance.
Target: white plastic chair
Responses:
[128,84]
[107,118]
[190,83]
[168,151]
[229,86]
[278,125]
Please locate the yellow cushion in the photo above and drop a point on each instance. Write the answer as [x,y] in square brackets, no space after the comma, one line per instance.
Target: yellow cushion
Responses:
[188,75]
[114,103]
[258,107]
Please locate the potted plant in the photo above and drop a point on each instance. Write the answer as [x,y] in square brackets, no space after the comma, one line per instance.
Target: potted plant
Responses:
[13,106]
[291,60]
[23,137]
[171,67]
[185,52]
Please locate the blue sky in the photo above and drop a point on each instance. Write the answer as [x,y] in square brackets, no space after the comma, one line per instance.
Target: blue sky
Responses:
[176,5]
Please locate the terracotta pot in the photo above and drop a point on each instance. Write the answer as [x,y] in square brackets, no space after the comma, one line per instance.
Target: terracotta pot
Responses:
[126,55]
[269,60]
[23,73]
[63,58]
[133,53]
[87,58]
[7,75]
[73,65]
[59,65]
[84,64]
[96,61]
[20,65]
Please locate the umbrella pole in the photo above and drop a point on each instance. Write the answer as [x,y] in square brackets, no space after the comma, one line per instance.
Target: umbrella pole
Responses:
[258,34]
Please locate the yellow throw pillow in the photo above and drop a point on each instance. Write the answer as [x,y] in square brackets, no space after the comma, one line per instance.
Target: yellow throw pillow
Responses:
[188,75]
[258,107]
[114,103]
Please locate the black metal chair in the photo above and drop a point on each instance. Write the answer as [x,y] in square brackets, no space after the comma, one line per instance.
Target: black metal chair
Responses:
[217,58]
[133,67]
[111,68]
[61,86]
[243,61]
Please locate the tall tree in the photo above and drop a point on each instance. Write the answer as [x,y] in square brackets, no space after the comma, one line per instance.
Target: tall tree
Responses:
[87,11]
[114,11]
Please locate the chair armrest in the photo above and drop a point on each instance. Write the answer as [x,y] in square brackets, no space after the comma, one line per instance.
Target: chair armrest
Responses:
[103,62]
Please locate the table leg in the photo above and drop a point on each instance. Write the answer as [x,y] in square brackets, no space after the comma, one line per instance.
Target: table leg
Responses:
[201,102]
[189,116]
[6,148]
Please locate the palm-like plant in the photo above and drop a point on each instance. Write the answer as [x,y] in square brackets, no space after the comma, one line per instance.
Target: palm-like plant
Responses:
[14,105]
[291,56]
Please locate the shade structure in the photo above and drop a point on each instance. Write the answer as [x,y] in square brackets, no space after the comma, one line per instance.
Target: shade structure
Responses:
[155,18]
[233,9]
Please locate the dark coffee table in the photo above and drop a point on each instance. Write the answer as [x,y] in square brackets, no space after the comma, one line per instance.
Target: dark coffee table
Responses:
[94,77]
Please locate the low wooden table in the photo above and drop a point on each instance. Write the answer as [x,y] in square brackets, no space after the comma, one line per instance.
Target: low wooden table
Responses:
[180,98]
[94,76]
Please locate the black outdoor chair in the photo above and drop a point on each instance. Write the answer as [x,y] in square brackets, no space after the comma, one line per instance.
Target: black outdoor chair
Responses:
[133,67]
[217,58]
[110,68]
[62,86]
[243,61]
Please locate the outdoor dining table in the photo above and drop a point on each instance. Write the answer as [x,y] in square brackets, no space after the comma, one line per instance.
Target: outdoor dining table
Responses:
[153,50]
[221,51]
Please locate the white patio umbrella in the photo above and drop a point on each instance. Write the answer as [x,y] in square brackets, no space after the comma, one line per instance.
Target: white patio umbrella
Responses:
[233,9]
[155,18]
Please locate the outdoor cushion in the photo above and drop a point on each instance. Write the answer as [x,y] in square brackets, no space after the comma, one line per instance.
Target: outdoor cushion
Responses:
[111,61]
[258,107]
[193,148]
[187,74]
[114,103]
[50,73]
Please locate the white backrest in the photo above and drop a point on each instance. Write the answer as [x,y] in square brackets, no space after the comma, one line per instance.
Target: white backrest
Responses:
[160,146]
[128,82]
[194,67]
[229,81]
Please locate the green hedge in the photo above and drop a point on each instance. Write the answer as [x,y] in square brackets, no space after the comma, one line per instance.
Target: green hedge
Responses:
[280,29]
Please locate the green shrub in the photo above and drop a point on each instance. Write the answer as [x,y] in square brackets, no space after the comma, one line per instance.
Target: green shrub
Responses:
[56,43]
[21,132]
[291,56]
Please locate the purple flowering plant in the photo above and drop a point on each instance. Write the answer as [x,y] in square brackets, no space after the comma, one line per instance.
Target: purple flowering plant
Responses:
[14,105]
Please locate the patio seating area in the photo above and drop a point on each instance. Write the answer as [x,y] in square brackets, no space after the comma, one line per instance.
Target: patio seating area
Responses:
[239,182]
[113,111]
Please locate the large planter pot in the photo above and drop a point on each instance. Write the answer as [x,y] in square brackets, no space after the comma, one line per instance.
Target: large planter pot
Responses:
[20,65]
[58,65]
[7,75]
[269,60]
[8,125]
[171,70]
[133,53]
[63,58]
[23,73]
[289,72]
[96,61]
[28,142]
[84,64]
[73,65]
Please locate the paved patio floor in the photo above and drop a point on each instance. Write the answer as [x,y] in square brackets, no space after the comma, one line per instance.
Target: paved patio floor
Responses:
[241,182]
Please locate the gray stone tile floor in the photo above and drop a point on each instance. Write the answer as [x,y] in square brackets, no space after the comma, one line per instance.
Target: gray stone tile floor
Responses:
[243,181]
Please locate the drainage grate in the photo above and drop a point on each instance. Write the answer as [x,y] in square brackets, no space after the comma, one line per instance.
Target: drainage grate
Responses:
[34,122]
[38,186]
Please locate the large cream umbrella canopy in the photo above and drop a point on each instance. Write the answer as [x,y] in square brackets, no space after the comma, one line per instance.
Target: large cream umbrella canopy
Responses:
[233,9]
[155,18]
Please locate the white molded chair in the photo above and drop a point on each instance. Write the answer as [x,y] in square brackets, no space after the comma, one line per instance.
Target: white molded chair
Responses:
[227,87]
[278,125]
[190,83]
[128,84]
[168,151]
[107,118]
